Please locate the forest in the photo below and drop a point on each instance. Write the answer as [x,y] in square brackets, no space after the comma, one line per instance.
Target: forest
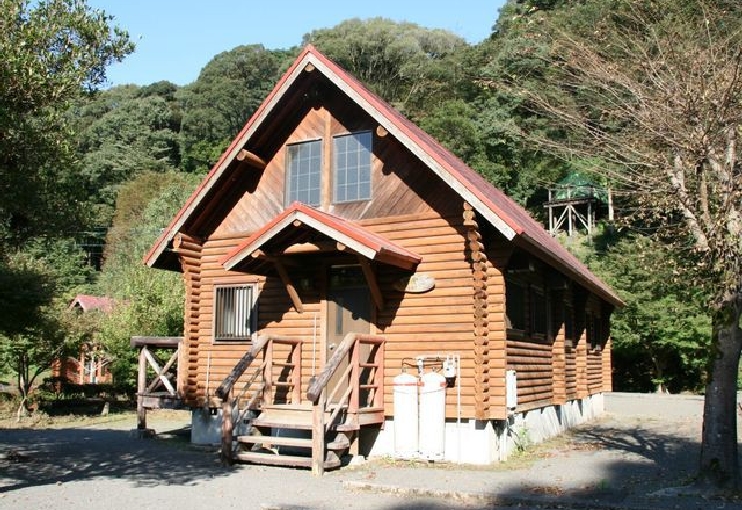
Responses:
[639,97]
[118,163]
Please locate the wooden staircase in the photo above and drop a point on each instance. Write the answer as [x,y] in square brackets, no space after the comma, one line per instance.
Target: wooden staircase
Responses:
[282,436]
[296,432]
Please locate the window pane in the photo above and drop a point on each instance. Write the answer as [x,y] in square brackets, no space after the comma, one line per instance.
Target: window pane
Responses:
[352,168]
[303,172]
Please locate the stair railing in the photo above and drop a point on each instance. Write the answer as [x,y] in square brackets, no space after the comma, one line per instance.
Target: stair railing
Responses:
[350,349]
[261,382]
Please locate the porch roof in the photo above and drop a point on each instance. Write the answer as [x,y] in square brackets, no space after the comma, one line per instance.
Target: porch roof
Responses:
[296,224]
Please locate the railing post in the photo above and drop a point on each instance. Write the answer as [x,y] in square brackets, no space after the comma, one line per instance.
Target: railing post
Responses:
[379,376]
[318,435]
[296,374]
[268,374]
[227,431]
[141,387]
[355,377]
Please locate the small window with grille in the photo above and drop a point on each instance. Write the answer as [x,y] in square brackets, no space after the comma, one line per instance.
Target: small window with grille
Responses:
[234,312]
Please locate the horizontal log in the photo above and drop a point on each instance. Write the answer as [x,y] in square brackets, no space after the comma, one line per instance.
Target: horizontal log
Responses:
[161,342]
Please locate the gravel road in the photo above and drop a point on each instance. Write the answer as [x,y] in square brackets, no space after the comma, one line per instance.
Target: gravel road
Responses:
[633,457]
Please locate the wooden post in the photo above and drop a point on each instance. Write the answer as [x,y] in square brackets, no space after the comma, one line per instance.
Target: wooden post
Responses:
[318,435]
[268,393]
[355,377]
[141,387]
[379,375]
[227,431]
[296,374]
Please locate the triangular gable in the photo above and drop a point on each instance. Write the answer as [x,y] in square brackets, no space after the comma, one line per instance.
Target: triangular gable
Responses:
[509,218]
[352,236]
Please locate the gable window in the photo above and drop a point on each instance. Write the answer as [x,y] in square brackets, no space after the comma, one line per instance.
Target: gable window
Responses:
[352,167]
[234,312]
[304,168]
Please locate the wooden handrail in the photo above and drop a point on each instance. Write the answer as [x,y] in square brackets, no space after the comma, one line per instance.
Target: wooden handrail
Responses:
[225,388]
[319,384]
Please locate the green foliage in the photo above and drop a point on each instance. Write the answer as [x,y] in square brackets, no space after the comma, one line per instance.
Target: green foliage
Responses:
[219,103]
[49,51]
[36,283]
[662,335]
[149,302]
[126,131]
[413,68]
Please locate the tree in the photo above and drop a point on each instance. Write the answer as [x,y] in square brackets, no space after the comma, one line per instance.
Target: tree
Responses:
[49,52]
[662,334]
[149,303]
[514,54]
[125,131]
[411,67]
[36,284]
[653,92]
[219,103]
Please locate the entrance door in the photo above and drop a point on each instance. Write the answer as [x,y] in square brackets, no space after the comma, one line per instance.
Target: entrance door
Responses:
[348,311]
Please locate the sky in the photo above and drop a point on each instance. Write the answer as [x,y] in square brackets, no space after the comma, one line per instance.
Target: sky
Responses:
[176,38]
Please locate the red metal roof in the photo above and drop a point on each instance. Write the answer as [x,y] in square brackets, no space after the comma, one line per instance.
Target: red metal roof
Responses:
[505,214]
[88,303]
[338,229]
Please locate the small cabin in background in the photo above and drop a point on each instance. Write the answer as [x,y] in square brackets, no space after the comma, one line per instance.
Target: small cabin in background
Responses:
[353,288]
[90,366]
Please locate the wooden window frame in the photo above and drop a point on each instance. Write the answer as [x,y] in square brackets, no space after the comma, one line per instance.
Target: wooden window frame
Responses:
[335,168]
[218,335]
[594,331]
[513,331]
[569,325]
[289,161]
[536,294]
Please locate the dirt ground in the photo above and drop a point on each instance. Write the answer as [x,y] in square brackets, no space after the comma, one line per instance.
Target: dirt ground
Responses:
[639,455]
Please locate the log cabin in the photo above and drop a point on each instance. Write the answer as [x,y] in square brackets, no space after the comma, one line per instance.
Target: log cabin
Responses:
[91,364]
[354,289]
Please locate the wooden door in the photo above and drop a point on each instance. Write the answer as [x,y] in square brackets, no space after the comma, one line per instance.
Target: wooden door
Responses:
[348,311]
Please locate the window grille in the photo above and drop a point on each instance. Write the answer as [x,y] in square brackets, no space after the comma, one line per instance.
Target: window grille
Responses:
[233,312]
[352,170]
[303,172]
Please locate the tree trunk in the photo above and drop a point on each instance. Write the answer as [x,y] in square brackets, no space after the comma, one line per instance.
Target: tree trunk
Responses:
[719,460]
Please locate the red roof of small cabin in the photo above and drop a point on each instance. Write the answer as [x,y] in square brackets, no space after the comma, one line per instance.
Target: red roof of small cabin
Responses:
[88,303]
[508,217]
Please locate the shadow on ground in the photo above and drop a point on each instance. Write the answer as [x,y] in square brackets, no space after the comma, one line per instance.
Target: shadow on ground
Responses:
[600,467]
[53,456]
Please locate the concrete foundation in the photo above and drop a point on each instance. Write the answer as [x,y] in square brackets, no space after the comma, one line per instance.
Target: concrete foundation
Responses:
[486,442]
[206,426]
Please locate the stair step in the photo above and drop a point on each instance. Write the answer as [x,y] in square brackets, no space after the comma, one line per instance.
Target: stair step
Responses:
[341,443]
[283,422]
[332,460]
[300,442]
